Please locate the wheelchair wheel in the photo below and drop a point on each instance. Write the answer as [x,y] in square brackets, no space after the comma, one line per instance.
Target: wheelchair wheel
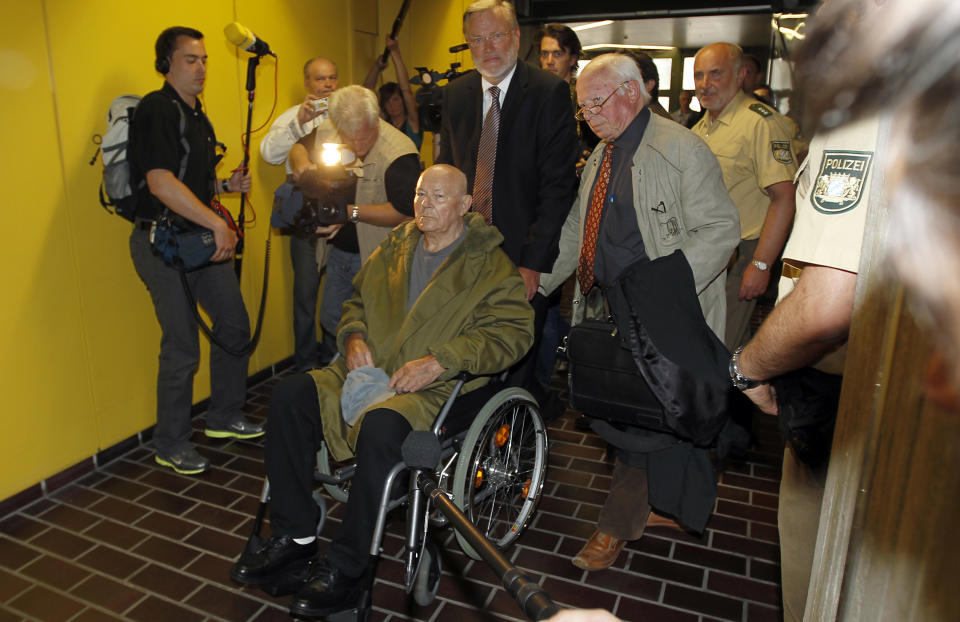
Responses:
[502,468]
[427,581]
[341,491]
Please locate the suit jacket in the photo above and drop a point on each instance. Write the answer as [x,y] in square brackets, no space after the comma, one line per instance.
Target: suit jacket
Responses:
[534,181]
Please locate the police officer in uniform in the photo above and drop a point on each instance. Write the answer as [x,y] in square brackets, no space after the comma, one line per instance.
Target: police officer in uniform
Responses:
[752,142]
[809,326]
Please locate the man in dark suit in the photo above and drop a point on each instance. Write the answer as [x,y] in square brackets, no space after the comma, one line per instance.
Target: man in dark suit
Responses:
[528,179]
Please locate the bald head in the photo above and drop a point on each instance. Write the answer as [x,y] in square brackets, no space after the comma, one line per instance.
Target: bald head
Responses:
[718,74]
[452,177]
[439,205]
[320,76]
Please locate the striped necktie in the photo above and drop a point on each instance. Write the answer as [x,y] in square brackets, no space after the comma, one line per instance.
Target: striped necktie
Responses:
[487,159]
[597,201]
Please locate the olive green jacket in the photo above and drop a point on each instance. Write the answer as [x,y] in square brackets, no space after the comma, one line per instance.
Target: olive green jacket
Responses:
[473,316]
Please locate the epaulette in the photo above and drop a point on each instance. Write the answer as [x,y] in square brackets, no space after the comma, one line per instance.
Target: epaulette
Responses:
[761,110]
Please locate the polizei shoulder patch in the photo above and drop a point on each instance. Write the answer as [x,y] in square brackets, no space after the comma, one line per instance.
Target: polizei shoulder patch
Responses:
[781,151]
[840,183]
[761,110]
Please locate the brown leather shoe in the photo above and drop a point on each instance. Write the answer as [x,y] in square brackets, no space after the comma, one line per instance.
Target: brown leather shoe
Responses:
[655,520]
[599,552]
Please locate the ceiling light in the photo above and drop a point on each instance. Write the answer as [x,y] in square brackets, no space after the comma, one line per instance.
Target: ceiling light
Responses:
[628,46]
[592,25]
[789,33]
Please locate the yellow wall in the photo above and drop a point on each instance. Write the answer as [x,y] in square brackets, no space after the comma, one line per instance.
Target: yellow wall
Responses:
[429,30]
[77,329]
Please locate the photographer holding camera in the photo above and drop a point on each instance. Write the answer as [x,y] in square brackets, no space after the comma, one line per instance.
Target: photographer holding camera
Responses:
[170,128]
[319,80]
[386,165]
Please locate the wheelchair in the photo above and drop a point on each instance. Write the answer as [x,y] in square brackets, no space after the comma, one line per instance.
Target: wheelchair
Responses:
[492,464]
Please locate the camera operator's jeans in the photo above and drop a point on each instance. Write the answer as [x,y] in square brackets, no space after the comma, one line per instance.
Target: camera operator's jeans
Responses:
[337,287]
[306,286]
[217,290]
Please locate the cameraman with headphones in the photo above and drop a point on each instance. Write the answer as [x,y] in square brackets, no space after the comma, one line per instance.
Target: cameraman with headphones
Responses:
[170,129]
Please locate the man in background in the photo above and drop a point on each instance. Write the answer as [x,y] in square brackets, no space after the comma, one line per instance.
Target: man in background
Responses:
[752,142]
[752,76]
[389,165]
[519,161]
[319,80]
[682,114]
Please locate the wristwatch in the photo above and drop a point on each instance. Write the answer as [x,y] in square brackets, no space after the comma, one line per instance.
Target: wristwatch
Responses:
[760,265]
[738,379]
[354,213]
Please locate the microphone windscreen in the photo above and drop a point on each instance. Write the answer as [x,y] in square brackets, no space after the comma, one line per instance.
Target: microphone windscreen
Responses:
[421,450]
[239,35]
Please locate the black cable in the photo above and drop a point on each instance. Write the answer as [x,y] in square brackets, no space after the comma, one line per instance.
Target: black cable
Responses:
[251,346]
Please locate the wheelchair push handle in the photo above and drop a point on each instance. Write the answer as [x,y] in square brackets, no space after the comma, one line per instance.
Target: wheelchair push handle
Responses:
[534,601]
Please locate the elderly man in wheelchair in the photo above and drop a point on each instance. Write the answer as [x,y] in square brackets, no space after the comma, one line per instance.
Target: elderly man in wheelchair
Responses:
[437,298]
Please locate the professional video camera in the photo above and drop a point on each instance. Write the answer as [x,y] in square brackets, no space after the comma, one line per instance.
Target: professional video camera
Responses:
[326,191]
[430,95]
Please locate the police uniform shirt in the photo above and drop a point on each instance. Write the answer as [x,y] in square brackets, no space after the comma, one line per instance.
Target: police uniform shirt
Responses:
[157,145]
[833,197]
[752,143]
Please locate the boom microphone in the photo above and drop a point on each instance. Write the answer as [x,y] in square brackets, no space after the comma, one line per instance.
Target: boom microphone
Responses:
[243,38]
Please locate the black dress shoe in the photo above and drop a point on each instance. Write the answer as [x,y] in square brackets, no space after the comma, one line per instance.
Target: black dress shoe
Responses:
[328,592]
[261,564]
[582,423]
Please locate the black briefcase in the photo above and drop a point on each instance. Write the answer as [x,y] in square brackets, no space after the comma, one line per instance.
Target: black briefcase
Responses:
[604,380]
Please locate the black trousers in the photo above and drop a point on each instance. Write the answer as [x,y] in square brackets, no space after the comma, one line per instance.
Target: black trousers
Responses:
[523,373]
[294,432]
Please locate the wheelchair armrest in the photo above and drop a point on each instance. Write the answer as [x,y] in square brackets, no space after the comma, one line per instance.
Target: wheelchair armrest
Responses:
[462,378]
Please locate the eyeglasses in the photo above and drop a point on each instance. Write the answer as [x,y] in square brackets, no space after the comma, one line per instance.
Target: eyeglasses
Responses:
[496,38]
[596,108]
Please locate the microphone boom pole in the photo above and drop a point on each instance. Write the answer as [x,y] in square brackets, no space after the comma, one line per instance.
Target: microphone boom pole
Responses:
[251,86]
[247,40]
[396,28]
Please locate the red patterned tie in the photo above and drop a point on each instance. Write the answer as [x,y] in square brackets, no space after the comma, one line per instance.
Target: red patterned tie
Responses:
[588,252]
[487,159]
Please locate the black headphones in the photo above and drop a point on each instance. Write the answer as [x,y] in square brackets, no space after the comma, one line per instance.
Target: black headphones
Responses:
[162,65]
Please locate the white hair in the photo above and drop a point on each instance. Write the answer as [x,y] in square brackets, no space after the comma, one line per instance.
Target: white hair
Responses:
[619,68]
[353,109]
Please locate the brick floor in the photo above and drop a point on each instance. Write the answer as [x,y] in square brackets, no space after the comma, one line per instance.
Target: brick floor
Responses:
[136,542]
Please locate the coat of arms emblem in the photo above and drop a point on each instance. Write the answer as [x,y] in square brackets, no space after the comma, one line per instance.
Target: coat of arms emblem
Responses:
[841,180]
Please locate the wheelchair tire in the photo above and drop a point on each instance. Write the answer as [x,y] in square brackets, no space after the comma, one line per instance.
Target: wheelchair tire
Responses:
[340,492]
[427,581]
[502,467]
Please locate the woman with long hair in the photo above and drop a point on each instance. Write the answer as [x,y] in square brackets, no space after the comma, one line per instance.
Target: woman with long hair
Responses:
[397,105]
